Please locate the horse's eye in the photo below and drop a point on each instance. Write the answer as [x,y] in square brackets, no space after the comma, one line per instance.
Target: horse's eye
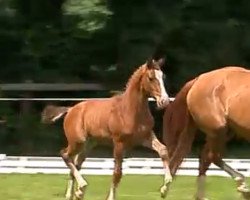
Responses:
[164,76]
[150,78]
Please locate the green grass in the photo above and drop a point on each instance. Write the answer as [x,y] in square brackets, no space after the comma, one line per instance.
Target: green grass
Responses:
[52,187]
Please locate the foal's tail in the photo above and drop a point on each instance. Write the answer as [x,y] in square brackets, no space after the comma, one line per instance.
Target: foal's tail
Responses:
[52,113]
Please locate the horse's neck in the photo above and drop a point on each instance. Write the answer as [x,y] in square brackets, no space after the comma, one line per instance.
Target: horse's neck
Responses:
[135,102]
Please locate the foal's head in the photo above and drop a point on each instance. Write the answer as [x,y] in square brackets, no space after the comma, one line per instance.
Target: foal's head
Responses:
[152,82]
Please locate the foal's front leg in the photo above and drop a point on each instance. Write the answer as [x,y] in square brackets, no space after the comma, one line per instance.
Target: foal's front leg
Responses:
[117,174]
[153,143]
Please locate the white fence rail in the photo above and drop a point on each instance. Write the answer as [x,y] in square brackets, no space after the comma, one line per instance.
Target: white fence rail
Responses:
[104,166]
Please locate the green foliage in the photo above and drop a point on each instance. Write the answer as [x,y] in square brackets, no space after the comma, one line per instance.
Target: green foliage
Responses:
[77,40]
[92,14]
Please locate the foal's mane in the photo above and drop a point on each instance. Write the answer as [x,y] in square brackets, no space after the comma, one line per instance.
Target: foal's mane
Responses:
[132,81]
[135,77]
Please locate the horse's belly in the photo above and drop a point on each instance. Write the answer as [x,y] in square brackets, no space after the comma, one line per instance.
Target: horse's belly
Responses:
[239,115]
[99,133]
[241,131]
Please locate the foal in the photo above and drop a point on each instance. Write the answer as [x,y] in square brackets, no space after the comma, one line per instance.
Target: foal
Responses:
[125,120]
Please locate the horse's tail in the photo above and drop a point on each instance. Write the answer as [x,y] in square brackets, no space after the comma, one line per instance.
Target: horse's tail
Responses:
[184,145]
[179,128]
[52,113]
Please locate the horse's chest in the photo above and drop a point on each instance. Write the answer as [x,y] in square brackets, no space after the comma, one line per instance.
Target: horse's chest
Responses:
[139,128]
[130,124]
[142,128]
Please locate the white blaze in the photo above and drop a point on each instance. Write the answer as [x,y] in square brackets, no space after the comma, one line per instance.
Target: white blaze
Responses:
[159,76]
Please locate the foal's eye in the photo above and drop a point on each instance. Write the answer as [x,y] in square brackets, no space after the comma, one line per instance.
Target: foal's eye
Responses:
[150,78]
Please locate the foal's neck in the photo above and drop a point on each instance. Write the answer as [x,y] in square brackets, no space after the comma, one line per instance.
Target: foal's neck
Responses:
[135,100]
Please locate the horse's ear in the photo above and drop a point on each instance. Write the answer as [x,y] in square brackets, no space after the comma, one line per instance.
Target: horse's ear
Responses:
[150,63]
[161,62]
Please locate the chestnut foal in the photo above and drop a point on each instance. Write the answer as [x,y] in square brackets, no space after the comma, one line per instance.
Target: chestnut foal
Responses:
[125,120]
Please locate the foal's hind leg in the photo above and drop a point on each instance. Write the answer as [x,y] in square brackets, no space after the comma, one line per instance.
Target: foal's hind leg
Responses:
[77,161]
[69,195]
[68,155]
[153,143]
[80,158]
[70,187]
[117,175]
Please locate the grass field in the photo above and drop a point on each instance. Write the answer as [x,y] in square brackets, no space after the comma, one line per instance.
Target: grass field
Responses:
[52,187]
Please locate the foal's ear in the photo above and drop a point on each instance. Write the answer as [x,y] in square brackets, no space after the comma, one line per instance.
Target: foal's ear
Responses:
[150,63]
[161,62]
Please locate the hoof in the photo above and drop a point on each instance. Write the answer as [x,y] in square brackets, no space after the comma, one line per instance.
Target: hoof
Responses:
[243,188]
[79,194]
[164,191]
[111,196]
[69,196]
[201,198]
[246,195]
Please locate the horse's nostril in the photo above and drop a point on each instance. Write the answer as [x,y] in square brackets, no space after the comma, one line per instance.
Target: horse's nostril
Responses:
[164,102]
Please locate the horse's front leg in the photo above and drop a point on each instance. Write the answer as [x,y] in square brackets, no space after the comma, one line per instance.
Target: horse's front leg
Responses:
[153,143]
[117,175]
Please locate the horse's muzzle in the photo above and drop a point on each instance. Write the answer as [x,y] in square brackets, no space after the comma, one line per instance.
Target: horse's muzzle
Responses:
[162,102]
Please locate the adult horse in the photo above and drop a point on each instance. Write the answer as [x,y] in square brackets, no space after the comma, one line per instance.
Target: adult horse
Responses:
[216,103]
[125,120]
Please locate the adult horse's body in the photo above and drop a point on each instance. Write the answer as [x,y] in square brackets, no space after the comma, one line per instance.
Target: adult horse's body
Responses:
[218,104]
[124,120]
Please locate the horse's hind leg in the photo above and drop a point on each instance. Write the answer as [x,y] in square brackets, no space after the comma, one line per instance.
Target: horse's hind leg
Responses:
[212,153]
[117,175]
[238,177]
[79,159]
[242,186]
[153,143]
[204,163]
[68,156]
[70,187]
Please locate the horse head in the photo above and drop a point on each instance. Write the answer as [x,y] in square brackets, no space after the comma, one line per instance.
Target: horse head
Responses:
[152,82]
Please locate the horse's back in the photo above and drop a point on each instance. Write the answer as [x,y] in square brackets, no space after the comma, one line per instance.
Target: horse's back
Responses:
[90,118]
[221,97]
